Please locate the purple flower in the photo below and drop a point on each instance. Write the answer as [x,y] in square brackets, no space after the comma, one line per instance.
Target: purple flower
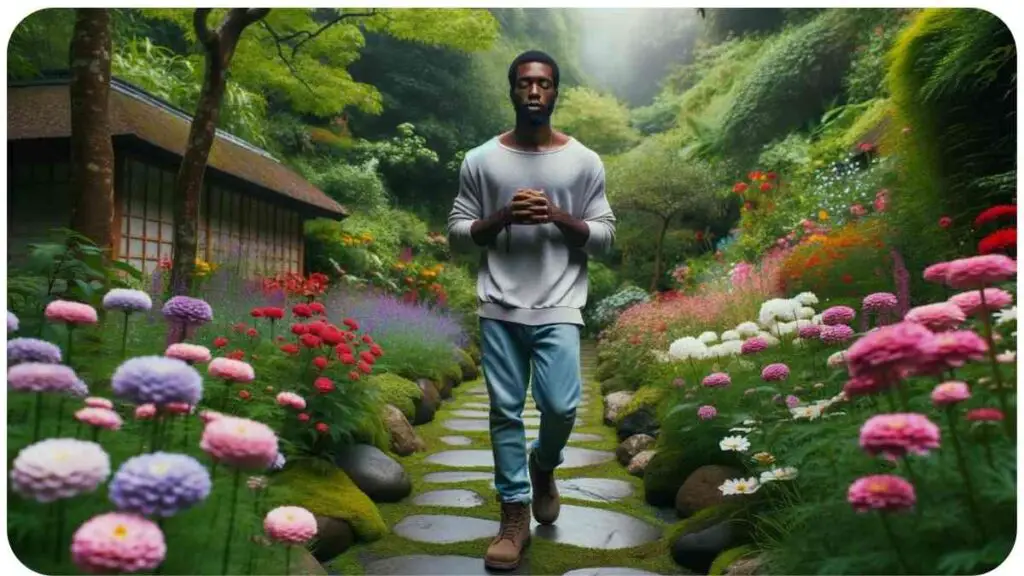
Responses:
[792,401]
[810,331]
[836,334]
[127,300]
[392,321]
[186,310]
[775,372]
[706,412]
[78,389]
[278,462]
[58,468]
[38,377]
[157,380]
[880,301]
[753,345]
[12,322]
[717,380]
[160,484]
[21,350]
[838,315]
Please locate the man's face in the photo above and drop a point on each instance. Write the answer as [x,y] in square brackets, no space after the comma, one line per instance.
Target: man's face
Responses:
[534,93]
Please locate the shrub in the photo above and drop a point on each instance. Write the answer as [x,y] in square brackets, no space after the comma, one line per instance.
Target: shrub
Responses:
[328,491]
[399,392]
[608,309]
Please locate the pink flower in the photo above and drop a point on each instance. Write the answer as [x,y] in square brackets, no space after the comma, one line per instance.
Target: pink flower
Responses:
[936,272]
[717,380]
[291,399]
[71,312]
[836,334]
[117,543]
[889,351]
[970,302]
[792,401]
[99,417]
[145,412]
[177,408]
[809,332]
[753,345]
[881,200]
[883,492]
[240,442]
[290,525]
[858,210]
[233,370]
[208,416]
[191,353]
[937,317]
[954,349]
[864,385]
[775,372]
[896,435]
[706,412]
[880,302]
[949,393]
[837,315]
[985,415]
[980,271]
[95,402]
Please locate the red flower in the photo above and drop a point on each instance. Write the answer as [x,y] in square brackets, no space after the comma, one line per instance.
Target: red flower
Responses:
[367,357]
[240,327]
[376,350]
[352,324]
[847,279]
[322,428]
[316,327]
[220,342]
[256,313]
[699,236]
[740,187]
[290,349]
[237,354]
[244,394]
[273,313]
[332,336]
[865,146]
[748,205]
[366,338]
[347,359]
[945,222]
[771,175]
[353,376]
[303,417]
[343,348]
[323,385]
[365,367]
[252,333]
[998,241]
[985,415]
[320,362]
[349,336]
[995,213]
[766,186]
[299,329]
[755,175]
[302,311]
[317,308]
[310,341]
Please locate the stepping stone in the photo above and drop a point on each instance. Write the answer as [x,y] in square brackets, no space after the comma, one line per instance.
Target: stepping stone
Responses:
[449,498]
[456,440]
[595,528]
[444,529]
[574,458]
[469,425]
[453,477]
[594,489]
[477,405]
[609,572]
[481,389]
[485,414]
[428,565]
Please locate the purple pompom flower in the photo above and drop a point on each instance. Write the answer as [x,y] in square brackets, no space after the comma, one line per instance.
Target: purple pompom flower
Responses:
[838,315]
[753,346]
[12,322]
[188,311]
[792,401]
[836,334]
[157,380]
[706,412]
[38,377]
[159,484]
[810,331]
[22,350]
[880,301]
[127,300]
[717,380]
[775,372]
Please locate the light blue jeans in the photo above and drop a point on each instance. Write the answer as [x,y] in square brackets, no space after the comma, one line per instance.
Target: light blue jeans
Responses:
[513,355]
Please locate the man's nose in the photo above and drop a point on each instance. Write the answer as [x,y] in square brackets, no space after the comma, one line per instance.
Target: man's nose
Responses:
[534,91]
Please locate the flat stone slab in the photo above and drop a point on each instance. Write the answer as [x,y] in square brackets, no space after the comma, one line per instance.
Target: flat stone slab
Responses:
[485,414]
[598,529]
[609,572]
[477,405]
[477,425]
[456,440]
[594,489]
[449,498]
[574,458]
[428,565]
[444,529]
[452,477]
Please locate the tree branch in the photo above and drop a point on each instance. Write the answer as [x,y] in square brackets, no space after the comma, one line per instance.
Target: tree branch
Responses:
[329,24]
[278,43]
[201,27]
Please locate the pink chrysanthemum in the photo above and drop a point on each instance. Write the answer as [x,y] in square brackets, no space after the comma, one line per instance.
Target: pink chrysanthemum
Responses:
[883,492]
[835,334]
[192,353]
[40,377]
[706,412]
[880,302]
[838,315]
[809,331]
[240,442]
[954,349]
[949,393]
[290,525]
[96,402]
[980,271]
[145,411]
[936,272]
[100,418]
[118,543]
[717,380]
[59,468]
[208,416]
[792,401]
[177,408]
[291,400]
[896,435]
[937,317]
[864,385]
[234,370]
[889,351]
[71,312]
[753,346]
[985,415]
[775,372]
[970,302]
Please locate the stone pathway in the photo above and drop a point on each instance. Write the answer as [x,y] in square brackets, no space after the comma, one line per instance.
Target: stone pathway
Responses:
[444,527]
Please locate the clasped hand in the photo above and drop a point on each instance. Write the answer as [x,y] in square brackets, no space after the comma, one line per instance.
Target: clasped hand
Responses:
[531,206]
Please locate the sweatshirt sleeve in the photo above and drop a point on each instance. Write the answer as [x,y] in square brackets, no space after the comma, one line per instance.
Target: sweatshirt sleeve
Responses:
[466,210]
[599,218]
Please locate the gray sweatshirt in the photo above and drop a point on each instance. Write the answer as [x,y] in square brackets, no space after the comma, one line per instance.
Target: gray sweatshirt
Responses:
[530,275]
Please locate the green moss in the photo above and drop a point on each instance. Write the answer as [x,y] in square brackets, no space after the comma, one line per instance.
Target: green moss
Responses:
[671,466]
[727,557]
[614,384]
[328,491]
[452,371]
[399,392]
[703,519]
[645,397]
[606,369]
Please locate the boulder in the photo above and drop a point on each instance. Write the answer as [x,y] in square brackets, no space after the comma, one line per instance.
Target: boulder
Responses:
[697,550]
[613,404]
[333,537]
[638,465]
[747,566]
[643,421]
[426,407]
[375,473]
[467,365]
[404,440]
[632,446]
[700,490]
[614,384]
[444,387]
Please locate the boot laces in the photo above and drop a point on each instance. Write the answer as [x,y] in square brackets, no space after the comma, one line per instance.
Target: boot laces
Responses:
[514,519]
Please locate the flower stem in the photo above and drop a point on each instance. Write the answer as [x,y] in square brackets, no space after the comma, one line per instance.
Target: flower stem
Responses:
[60,413]
[287,559]
[231,523]
[38,417]
[986,319]
[892,540]
[58,537]
[95,433]
[124,337]
[964,472]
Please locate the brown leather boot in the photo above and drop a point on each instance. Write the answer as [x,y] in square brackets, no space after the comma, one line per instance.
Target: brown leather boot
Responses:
[506,550]
[546,504]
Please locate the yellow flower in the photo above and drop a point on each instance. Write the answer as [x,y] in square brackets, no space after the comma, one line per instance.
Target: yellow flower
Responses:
[822,215]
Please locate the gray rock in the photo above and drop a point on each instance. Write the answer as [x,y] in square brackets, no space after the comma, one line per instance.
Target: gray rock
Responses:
[333,537]
[427,565]
[613,405]
[445,529]
[609,572]
[375,473]
[599,529]
[632,446]
[457,440]
[696,551]
[700,490]
[404,440]
[638,465]
[454,477]
[574,458]
[449,499]
[426,406]
[594,489]
[643,421]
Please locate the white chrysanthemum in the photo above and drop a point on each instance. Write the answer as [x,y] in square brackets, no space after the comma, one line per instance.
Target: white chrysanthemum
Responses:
[805,313]
[748,329]
[734,444]
[778,310]
[708,337]
[798,342]
[806,298]
[1006,316]
[809,412]
[729,348]
[786,473]
[688,347]
[730,335]
[739,486]
[785,329]
[837,359]
[768,338]
[816,319]
[802,323]
[1007,357]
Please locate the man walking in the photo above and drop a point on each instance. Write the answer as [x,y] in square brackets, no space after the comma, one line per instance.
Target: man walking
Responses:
[534,200]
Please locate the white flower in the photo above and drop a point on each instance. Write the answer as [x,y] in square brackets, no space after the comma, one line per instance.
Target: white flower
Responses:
[798,342]
[837,359]
[768,338]
[785,328]
[1008,357]
[688,347]
[805,313]
[742,429]
[803,323]
[787,473]
[778,309]
[730,335]
[748,329]
[816,319]
[1007,315]
[749,422]
[708,337]
[730,348]
[734,444]
[806,298]
[809,412]
[739,486]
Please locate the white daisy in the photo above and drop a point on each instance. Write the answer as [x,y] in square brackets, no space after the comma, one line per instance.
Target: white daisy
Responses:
[734,444]
[768,338]
[816,319]
[749,422]
[787,473]
[837,359]
[809,412]
[739,486]
[1006,315]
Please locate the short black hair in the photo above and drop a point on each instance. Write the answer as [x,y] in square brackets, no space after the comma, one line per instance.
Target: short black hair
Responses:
[531,56]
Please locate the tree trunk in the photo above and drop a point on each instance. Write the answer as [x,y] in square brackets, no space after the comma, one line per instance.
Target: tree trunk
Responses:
[657,255]
[219,47]
[92,152]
